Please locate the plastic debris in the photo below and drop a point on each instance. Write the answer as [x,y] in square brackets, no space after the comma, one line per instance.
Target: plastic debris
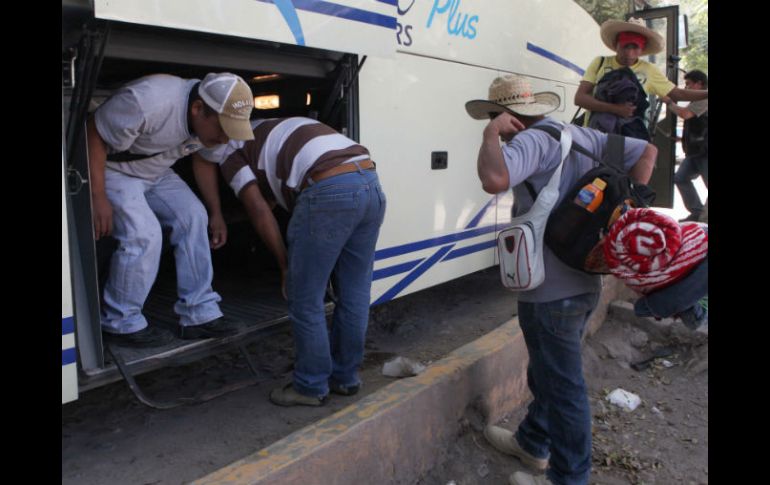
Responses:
[667,363]
[657,412]
[402,367]
[626,400]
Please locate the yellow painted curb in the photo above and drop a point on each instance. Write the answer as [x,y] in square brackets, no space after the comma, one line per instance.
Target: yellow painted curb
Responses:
[297,447]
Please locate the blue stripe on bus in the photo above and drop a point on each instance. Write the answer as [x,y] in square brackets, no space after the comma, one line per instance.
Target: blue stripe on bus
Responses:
[396,269]
[475,221]
[389,2]
[408,279]
[427,243]
[344,12]
[559,60]
[473,248]
[419,245]
[67,325]
[68,356]
[286,7]
[457,253]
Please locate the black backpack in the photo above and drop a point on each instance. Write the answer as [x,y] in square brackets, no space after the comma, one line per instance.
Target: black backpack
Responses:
[621,86]
[695,136]
[573,233]
[580,120]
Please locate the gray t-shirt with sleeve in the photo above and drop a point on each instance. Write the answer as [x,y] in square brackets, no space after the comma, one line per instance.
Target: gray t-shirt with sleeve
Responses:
[699,108]
[533,155]
[148,116]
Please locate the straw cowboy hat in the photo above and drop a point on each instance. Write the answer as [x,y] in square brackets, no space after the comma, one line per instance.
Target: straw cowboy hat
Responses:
[611,28]
[512,93]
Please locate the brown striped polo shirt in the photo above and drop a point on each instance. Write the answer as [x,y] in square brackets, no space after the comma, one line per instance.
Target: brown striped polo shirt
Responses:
[284,152]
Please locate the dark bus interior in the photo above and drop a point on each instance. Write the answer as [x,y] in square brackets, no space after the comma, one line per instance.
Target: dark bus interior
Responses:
[100,57]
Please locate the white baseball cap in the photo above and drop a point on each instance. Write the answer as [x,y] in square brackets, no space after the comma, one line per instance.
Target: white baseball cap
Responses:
[231,97]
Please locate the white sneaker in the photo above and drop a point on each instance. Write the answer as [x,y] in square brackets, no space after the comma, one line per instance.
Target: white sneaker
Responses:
[504,441]
[521,478]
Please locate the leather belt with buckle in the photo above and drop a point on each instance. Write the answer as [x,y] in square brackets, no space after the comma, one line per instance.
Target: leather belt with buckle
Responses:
[339,169]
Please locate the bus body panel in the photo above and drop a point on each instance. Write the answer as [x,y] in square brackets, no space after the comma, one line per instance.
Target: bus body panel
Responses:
[69,378]
[426,59]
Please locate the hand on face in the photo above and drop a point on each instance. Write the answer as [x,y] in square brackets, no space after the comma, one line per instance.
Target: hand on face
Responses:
[505,125]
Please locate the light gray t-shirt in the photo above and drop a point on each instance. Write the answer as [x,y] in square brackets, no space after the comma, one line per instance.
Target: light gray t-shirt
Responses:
[148,117]
[533,155]
[699,108]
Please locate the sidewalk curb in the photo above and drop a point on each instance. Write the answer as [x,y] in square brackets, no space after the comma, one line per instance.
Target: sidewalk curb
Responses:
[397,434]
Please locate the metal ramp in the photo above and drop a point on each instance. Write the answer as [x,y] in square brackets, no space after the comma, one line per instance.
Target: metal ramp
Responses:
[255,301]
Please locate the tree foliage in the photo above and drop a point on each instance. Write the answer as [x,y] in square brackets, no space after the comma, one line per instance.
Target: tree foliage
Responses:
[695,56]
[602,10]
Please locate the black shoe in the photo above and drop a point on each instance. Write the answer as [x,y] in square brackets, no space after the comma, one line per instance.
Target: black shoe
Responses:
[146,337]
[691,218]
[221,327]
[343,390]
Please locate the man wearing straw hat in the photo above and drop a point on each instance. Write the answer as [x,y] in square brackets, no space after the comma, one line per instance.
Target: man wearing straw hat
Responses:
[556,433]
[629,40]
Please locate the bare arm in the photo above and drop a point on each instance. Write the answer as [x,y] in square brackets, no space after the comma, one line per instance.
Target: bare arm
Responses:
[97,158]
[679,94]
[491,167]
[263,220]
[205,173]
[585,99]
[642,170]
[681,112]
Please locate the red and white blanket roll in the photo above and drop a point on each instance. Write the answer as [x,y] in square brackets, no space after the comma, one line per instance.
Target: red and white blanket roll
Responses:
[649,250]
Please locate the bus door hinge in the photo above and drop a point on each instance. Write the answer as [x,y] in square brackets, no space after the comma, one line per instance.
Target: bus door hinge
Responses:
[68,67]
[75,181]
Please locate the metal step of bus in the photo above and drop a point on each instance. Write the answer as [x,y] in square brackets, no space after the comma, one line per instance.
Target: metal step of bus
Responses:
[256,302]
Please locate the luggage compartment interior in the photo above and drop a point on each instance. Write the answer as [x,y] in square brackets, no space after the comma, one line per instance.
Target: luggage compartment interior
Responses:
[308,83]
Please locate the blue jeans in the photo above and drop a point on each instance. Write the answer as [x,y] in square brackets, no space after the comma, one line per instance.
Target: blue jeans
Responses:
[679,299]
[140,208]
[332,233]
[559,418]
[688,171]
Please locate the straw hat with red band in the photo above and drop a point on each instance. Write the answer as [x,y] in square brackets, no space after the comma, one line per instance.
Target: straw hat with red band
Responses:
[611,28]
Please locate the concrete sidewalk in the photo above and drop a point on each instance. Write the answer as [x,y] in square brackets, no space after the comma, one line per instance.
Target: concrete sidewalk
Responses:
[397,434]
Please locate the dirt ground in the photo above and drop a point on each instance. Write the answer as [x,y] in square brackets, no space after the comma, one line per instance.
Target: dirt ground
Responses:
[663,441]
[109,437]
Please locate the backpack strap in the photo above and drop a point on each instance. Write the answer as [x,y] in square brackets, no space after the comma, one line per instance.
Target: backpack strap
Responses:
[613,154]
[127,156]
[614,151]
[557,135]
[599,68]
[601,63]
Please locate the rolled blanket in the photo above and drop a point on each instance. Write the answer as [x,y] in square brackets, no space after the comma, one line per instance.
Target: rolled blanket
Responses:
[649,250]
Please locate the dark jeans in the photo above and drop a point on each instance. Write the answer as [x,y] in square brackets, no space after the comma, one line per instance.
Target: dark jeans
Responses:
[559,419]
[688,171]
[679,299]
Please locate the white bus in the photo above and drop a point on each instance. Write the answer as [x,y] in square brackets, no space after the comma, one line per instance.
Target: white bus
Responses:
[392,74]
